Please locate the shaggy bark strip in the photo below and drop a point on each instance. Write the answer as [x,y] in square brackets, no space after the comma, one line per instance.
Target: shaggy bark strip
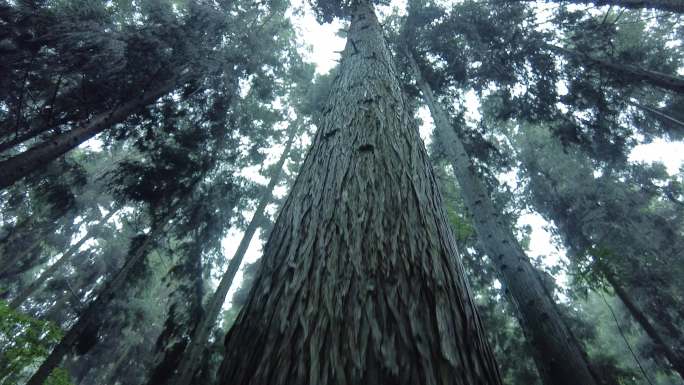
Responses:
[360,281]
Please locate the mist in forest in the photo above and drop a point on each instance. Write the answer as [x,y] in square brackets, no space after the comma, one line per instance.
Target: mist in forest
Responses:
[336,192]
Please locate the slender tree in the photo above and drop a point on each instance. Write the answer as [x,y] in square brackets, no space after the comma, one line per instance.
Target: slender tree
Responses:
[18,166]
[595,217]
[90,318]
[631,72]
[559,357]
[59,263]
[360,280]
[192,357]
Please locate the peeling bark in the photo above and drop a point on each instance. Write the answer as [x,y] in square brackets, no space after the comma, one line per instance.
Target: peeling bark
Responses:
[360,281]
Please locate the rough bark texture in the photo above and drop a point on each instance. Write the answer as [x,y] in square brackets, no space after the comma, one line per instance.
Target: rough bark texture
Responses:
[633,73]
[192,358]
[89,319]
[27,162]
[52,269]
[360,281]
[663,5]
[558,356]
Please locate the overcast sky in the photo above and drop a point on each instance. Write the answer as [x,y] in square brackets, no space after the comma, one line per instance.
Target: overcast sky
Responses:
[324,47]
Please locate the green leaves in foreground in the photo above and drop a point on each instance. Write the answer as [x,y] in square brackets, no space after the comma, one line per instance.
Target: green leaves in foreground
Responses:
[25,342]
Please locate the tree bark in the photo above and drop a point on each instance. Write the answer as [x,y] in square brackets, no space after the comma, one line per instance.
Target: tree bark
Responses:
[27,162]
[559,358]
[192,358]
[50,271]
[89,319]
[657,79]
[360,281]
[676,6]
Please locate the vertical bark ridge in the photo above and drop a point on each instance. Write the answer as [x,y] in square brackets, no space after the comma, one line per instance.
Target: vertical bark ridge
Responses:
[360,280]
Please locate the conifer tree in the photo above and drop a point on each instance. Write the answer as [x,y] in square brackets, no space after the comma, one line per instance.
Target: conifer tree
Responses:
[360,281]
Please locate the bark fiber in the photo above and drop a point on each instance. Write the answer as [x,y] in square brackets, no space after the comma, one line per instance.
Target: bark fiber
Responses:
[360,281]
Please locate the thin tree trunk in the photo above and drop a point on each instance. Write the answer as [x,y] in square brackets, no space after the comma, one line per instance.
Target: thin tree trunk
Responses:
[192,358]
[658,114]
[633,73]
[185,311]
[676,6]
[11,255]
[558,357]
[27,162]
[89,319]
[50,271]
[675,357]
[360,281]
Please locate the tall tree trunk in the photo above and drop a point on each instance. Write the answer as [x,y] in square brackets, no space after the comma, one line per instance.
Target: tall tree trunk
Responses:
[674,355]
[676,6]
[27,162]
[558,357]
[50,271]
[89,319]
[192,358]
[657,79]
[360,281]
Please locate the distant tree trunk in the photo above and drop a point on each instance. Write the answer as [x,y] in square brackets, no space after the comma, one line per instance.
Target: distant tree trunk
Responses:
[16,252]
[90,318]
[676,6]
[673,354]
[185,310]
[50,271]
[657,79]
[558,357]
[192,358]
[360,281]
[11,143]
[27,162]
[658,114]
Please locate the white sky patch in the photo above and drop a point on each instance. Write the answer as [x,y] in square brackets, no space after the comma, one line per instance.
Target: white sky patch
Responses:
[671,154]
[230,245]
[323,44]
[323,48]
